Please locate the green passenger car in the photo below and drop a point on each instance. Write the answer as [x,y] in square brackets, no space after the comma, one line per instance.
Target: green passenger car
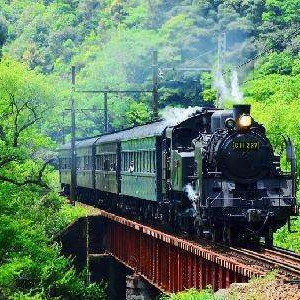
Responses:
[84,163]
[106,178]
[138,168]
[64,156]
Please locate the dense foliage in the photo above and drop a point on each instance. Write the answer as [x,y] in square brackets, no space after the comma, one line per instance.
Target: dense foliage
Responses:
[274,96]
[32,213]
[193,294]
[111,44]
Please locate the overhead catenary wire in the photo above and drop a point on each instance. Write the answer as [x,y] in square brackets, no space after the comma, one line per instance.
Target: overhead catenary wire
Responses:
[265,51]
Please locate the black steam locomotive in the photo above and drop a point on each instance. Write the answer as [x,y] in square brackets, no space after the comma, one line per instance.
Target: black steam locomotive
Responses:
[214,174]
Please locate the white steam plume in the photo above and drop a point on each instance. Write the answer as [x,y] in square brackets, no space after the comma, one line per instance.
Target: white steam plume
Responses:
[173,115]
[191,193]
[220,85]
[237,95]
[225,93]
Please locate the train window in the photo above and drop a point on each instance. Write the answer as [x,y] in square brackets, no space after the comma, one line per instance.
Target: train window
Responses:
[113,166]
[150,161]
[143,161]
[138,162]
[130,159]
[78,163]
[89,167]
[113,162]
[106,165]
[97,162]
[154,161]
[107,162]
[123,161]
[64,163]
[100,162]
[84,163]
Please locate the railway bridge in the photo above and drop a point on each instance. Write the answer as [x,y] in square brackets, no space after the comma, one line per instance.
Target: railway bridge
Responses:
[167,263]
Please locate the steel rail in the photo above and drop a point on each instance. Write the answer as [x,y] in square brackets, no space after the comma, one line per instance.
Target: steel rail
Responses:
[273,258]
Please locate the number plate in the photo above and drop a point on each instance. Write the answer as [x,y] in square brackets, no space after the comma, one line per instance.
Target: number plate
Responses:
[245,145]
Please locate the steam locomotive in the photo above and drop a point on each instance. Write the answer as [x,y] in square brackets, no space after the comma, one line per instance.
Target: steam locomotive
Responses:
[213,174]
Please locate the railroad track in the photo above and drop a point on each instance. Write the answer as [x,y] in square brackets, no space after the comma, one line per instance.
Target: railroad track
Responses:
[286,262]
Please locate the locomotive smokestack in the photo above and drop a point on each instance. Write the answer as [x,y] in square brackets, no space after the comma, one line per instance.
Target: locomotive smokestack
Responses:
[241,109]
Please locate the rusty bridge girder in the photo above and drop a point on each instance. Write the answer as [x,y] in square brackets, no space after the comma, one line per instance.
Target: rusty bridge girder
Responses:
[169,263]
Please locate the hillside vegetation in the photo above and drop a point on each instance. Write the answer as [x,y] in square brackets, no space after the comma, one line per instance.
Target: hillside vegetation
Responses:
[111,44]
[32,213]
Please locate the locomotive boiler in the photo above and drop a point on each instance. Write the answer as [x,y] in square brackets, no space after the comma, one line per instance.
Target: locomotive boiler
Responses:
[213,174]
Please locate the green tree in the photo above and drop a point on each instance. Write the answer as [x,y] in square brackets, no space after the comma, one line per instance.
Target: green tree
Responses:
[32,213]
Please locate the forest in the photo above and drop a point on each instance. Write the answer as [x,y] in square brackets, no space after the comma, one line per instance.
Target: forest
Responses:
[111,42]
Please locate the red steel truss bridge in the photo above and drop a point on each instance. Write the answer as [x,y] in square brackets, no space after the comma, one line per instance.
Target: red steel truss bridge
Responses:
[169,263]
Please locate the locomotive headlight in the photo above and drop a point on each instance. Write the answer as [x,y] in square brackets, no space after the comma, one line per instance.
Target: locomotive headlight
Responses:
[244,121]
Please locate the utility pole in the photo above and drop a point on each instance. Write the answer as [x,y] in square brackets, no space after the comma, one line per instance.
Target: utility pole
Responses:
[155,85]
[105,112]
[73,137]
[221,51]
[63,128]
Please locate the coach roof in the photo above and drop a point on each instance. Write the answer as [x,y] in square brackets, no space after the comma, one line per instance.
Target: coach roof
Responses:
[142,131]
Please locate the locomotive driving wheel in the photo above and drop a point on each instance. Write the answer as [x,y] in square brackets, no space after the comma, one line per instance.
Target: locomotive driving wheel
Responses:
[216,234]
[229,235]
[269,238]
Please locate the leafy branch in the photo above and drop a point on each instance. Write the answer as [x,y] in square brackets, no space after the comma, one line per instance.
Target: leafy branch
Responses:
[38,180]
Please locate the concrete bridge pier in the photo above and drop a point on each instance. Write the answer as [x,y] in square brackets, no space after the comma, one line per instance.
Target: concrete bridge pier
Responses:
[103,267]
[137,289]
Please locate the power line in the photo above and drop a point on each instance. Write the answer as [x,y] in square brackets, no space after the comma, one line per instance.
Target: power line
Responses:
[267,50]
[201,55]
